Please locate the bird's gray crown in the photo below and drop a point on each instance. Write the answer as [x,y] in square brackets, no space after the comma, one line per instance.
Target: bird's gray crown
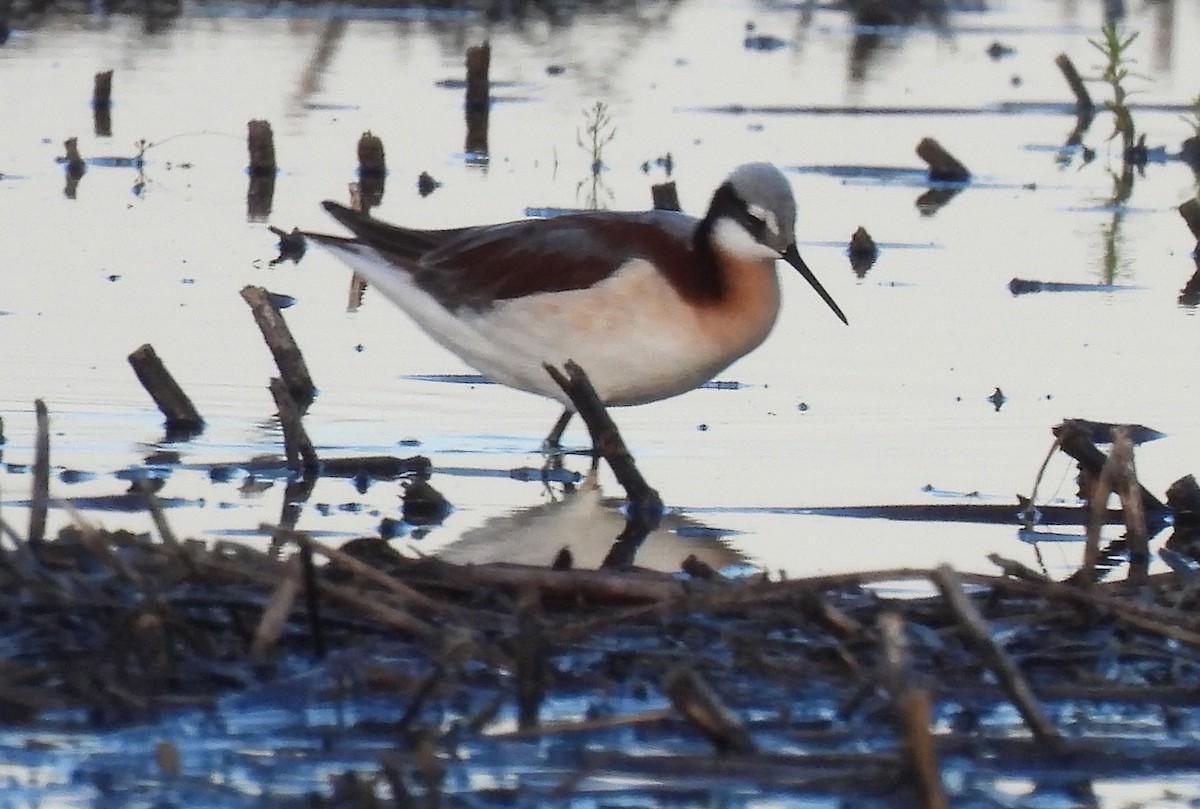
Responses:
[768,197]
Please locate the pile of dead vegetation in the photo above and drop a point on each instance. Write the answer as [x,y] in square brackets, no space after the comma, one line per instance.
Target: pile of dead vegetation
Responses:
[664,686]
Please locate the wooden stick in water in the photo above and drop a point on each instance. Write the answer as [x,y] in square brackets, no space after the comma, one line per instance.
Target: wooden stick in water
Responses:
[283,346]
[181,415]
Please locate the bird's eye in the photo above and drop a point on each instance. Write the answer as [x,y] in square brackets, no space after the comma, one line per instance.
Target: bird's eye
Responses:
[761,222]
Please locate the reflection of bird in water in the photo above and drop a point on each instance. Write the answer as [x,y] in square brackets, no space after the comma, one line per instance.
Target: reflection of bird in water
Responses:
[649,304]
[587,523]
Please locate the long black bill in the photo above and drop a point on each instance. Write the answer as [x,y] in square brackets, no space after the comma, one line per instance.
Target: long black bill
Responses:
[792,256]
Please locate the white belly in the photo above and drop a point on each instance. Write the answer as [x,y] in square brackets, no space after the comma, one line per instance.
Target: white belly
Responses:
[636,339]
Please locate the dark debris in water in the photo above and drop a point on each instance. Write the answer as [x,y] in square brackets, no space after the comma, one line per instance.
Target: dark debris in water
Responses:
[552,685]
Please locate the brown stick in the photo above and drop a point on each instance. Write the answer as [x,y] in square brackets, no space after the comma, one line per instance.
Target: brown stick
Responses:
[372,169]
[379,467]
[566,726]
[863,251]
[260,143]
[283,346]
[279,606]
[102,90]
[695,699]
[371,160]
[1074,440]
[393,585]
[913,713]
[943,166]
[102,104]
[1190,211]
[1128,489]
[74,160]
[478,97]
[181,415]
[370,608]
[604,586]
[1083,99]
[529,658]
[1162,621]
[39,502]
[665,196]
[1117,475]
[161,524]
[299,448]
[979,638]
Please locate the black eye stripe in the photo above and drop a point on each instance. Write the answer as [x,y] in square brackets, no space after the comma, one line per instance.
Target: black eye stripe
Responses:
[728,203]
[756,226]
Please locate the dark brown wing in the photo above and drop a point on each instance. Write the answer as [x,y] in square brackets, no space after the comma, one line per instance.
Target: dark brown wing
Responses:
[405,246]
[474,267]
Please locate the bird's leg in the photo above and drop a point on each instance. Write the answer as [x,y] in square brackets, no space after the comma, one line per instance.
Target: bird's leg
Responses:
[552,445]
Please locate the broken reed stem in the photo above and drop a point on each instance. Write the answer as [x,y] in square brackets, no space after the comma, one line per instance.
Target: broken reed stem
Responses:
[102,104]
[645,505]
[312,601]
[568,726]
[697,702]
[1084,107]
[180,414]
[74,160]
[161,524]
[979,638]
[529,658]
[943,166]
[1190,211]
[370,607]
[1129,490]
[912,711]
[301,455]
[478,97]
[1118,475]
[39,502]
[1037,481]
[260,144]
[102,90]
[1074,440]
[283,346]
[393,585]
[371,160]
[372,169]
[665,196]
[279,606]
